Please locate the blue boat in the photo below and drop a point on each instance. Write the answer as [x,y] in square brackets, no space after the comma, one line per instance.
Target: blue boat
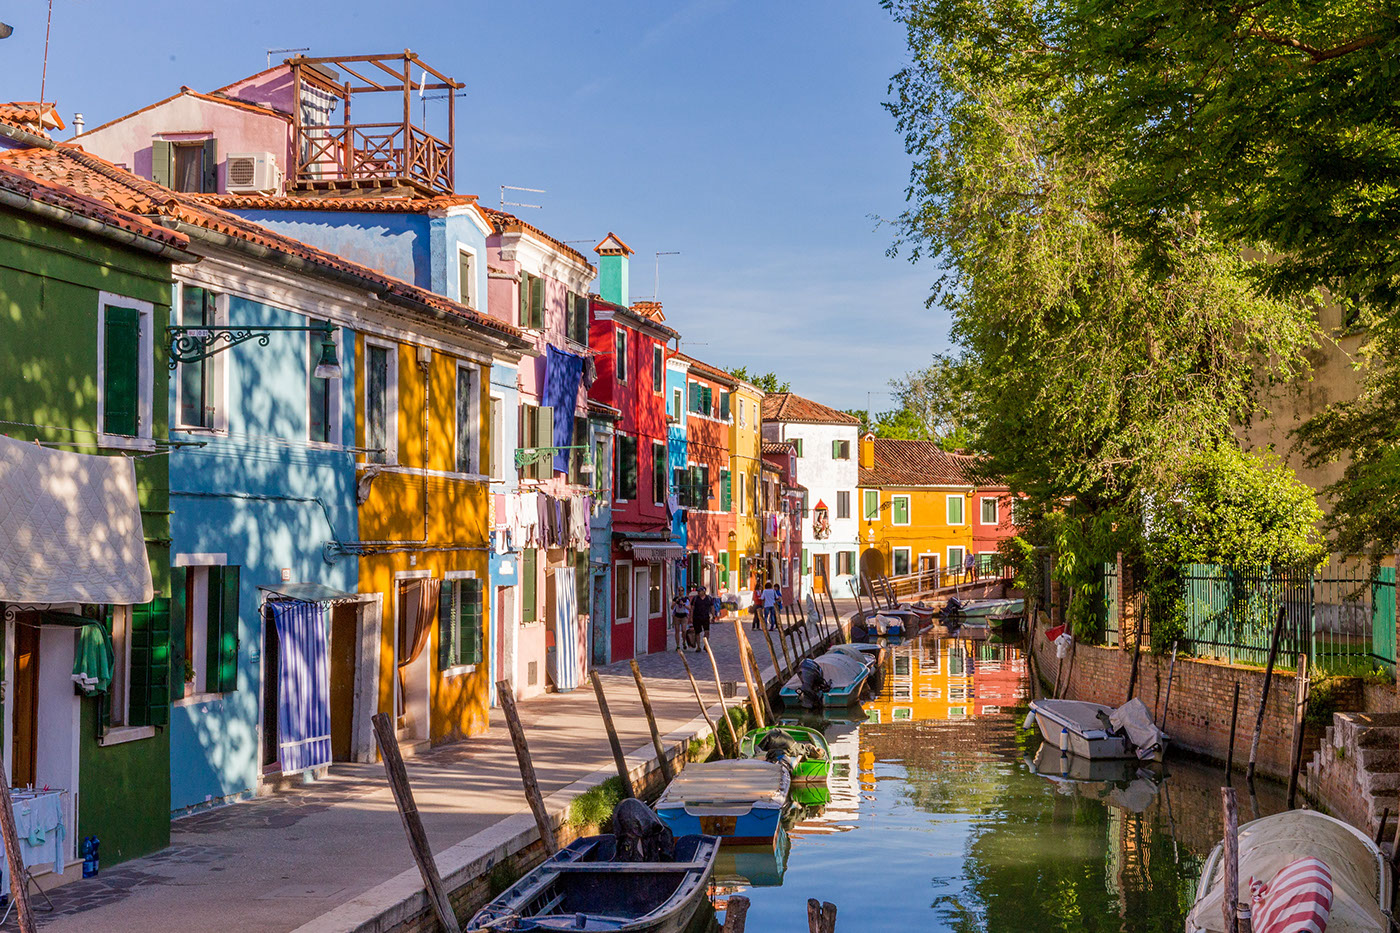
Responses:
[741,801]
[846,673]
[580,887]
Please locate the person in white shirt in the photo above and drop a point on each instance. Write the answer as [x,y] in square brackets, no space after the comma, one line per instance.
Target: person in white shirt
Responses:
[772,602]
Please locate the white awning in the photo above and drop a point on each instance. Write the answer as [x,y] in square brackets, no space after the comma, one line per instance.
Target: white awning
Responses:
[70,528]
[658,551]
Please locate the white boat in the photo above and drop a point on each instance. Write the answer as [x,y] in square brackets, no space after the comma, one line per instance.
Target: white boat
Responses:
[1092,730]
[1361,883]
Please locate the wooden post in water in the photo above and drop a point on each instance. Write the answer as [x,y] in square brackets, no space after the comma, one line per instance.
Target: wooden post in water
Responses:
[772,652]
[527,766]
[748,678]
[1300,708]
[1167,706]
[19,880]
[759,681]
[821,916]
[735,913]
[1230,889]
[618,758]
[734,736]
[1380,830]
[408,812]
[1137,654]
[1264,694]
[704,710]
[667,771]
[1234,716]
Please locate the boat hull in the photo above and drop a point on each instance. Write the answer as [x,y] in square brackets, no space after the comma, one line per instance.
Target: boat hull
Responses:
[759,826]
[1067,724]
[839,698]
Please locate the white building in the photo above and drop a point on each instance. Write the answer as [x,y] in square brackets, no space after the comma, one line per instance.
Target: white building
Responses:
[828,465]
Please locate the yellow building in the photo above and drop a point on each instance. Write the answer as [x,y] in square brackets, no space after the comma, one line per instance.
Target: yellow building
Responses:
[915,507]
[422,416]
[746,475]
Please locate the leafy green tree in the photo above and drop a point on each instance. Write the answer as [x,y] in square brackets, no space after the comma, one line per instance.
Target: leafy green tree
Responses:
[899,424]
[768,382]
[940,398]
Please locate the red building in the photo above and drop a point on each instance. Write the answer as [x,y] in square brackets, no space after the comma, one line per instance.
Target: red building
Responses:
[990,515]
[998,679]
[708,494]
[629,347]
[782,530]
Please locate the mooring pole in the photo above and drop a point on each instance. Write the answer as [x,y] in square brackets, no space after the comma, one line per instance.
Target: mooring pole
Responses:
[527,766]
[1234,716]
[821,916]
[667,771]
[618,758]
[748,679]
[704,710]
[1264,694]
[719,688]
[1167,706]
[408,812]
[1230,892]
[1300,708]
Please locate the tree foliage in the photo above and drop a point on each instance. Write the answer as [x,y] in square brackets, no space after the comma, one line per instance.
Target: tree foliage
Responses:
[940,398]
[768,381]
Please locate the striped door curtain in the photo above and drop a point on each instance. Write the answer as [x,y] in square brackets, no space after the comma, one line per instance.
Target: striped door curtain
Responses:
[566,635]
[304,709]
[1297,900]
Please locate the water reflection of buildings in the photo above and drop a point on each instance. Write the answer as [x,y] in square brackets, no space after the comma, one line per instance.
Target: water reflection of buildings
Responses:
[948,678]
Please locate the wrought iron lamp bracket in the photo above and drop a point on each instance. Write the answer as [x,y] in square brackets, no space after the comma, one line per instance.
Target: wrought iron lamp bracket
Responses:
[528,456]
[192,343]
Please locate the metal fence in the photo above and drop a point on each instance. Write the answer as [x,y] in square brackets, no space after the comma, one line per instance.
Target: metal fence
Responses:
[1343,620]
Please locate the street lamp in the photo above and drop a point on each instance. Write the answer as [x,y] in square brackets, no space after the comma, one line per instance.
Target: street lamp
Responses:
[190,344]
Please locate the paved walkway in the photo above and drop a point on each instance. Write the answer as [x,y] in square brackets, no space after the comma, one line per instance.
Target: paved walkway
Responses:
[276,862]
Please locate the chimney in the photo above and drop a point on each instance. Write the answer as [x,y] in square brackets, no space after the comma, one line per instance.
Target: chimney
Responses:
[612,269]
[77,124]
[867,452]
[649,309]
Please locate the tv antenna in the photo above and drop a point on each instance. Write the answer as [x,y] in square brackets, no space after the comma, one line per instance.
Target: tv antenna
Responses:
[505,203]
[271,52]
[656,282]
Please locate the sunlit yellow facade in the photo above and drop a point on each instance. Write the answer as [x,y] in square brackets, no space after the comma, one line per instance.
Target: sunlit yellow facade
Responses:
[929,679]
[915,510]
[745,463]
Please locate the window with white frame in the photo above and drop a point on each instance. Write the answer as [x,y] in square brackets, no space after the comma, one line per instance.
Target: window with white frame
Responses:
[466,276]
[899,510]
[119,622]
[620,353]
[677,404]
[199,384]
[955,510]
[210,625]
[900,562]
[498,438]
[460,611]
[126,383]
[843,503]
[743,414]
[622,594]
[322,395]
[743,494]
[956,555]
[468,431]
[381,402]
[989,510]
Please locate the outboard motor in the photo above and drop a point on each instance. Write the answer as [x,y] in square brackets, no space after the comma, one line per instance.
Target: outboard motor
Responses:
[813,683]
[952,613]
[640,835]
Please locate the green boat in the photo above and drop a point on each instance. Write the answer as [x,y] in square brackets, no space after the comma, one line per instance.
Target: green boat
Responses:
[804,767]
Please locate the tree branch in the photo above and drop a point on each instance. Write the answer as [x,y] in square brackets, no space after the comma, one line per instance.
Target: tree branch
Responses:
[1317,55]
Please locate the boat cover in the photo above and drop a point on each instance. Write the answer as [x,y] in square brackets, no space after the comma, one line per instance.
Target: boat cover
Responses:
[840,668]
[1269,844]
[747,779]
[1135,720]
[1076,715]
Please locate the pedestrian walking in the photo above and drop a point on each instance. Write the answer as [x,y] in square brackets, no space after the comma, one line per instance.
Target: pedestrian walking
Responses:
[970,567]
[772,602]
[680,620]
[702,612]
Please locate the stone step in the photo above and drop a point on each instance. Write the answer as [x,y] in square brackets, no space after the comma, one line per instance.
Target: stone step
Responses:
[1380,782]
[1374,729]
[1378,760]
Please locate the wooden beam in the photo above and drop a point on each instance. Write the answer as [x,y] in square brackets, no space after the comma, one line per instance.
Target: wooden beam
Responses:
[719,687]
[1230,887]
[412,822]
[666,770]
[506,695]
[704,710]
[748,679]
[619,759]
[1264,693]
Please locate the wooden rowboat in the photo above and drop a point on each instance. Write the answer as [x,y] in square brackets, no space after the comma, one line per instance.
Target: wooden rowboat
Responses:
[581,888]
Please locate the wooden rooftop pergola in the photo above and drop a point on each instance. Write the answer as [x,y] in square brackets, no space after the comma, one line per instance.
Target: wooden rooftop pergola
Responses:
[370,155]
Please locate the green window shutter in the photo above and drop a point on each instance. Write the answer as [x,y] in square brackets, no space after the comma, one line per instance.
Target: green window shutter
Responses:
[872,504]
[149,702]
[581,587]
[805,564]
[162,162]
[707,400]
[658,473]
[724,405]
[899,508]
[692,396]
[724,569]
[524,299]
[178,649]
[222,674]
[658,367]
[628,446]
[211,167]
[447,624]
[537,302]
[544,437]
[726,491]
[121,371]
[469,625]
[835,450]
[527,585]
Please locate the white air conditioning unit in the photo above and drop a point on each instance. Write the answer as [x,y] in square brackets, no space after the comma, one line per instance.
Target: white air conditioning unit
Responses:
[253,172]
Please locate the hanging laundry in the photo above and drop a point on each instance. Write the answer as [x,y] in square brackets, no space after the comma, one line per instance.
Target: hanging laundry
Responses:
[528,510]
[561,378]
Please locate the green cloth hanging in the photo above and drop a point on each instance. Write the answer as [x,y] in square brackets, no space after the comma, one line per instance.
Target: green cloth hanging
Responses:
[92,666]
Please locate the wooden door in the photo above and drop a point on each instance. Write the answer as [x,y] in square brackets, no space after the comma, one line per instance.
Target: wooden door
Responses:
[26,705]
[343,655]
[641,615]
[821,570]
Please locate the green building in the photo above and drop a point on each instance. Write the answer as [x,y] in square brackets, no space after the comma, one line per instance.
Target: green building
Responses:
[85,292]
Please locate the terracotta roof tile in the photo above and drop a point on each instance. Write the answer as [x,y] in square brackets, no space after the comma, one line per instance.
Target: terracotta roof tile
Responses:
[778,447]
[649,309]
[705,369]
[56,194]
[103,181]
[916,463]
[505,222]
[788,407]
[32,116]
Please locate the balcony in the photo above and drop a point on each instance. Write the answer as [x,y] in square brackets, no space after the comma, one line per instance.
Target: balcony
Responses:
[390,150]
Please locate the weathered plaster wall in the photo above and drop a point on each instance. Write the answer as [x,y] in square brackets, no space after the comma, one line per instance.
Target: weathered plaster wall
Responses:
[823,477]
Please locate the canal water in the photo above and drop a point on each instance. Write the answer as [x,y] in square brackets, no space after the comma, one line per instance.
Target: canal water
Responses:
[945,816]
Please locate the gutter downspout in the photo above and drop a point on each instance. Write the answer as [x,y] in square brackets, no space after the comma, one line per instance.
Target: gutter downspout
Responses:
[69,218]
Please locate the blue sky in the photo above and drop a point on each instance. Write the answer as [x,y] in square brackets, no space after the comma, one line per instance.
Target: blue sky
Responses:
[746,134]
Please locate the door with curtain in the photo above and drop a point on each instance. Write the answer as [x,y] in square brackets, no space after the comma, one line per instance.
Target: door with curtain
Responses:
[417,613]
[303,685]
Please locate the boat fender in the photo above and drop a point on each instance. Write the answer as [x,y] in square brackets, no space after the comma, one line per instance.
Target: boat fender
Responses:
[1064,739]
[1030,720]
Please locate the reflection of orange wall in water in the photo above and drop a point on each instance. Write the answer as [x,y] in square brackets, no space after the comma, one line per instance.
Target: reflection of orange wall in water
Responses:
[931,679]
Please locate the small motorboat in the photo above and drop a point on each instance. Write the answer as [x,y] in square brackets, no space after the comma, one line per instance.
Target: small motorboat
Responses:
[887,623]
[1360,874]
[803,750]
[1092,730]
[740,801]
[581,887]
[833,680]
